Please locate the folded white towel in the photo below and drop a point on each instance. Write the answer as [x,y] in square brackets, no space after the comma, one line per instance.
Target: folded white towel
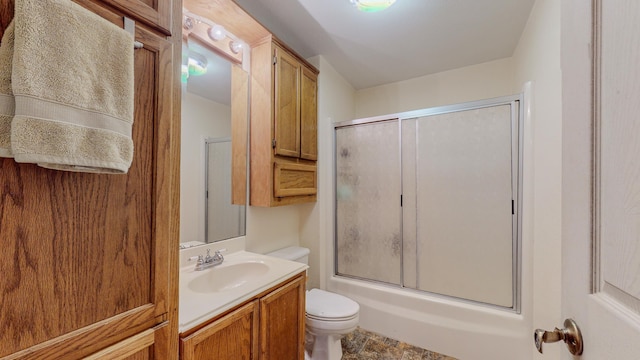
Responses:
[7,102]
[73,86]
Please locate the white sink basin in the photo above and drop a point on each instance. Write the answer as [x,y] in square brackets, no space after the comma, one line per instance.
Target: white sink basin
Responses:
[243,275]
[226,277]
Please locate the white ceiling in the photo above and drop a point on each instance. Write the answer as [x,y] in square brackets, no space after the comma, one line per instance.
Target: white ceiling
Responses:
[410,39]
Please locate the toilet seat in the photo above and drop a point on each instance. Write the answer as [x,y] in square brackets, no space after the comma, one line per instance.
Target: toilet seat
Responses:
[345,318]
[327,306]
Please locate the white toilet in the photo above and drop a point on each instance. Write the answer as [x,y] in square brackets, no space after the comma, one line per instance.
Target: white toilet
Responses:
[329,316]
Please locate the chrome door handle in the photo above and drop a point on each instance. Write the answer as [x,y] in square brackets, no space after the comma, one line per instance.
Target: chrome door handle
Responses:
[571,335]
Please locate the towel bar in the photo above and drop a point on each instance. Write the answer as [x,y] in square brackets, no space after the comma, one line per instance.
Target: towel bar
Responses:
[130,27]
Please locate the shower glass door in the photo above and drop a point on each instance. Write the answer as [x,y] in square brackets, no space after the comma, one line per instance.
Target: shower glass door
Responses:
[430,201]
[368,231]
[457,169]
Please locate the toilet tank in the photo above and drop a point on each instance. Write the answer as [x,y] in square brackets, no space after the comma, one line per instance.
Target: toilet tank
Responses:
[293,253]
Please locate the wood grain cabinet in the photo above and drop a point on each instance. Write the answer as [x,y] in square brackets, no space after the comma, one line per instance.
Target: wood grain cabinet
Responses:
[232,336]
[269,326]
[284,134]
[154,13]
[89,265]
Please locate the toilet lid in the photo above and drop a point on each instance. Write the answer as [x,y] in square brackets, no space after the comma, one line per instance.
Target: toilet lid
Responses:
[324,304]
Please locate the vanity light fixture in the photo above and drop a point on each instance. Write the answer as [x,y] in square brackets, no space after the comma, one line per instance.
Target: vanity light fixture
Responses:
[372,5]
[217,32]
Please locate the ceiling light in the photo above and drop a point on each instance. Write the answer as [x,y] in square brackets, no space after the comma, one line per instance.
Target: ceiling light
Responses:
[372,5]
[197,64]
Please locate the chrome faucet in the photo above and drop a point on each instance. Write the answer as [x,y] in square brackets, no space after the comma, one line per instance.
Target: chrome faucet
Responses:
[208,261]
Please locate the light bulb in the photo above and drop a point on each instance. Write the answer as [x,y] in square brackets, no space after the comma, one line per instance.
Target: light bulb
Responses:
[235,46]
[188,23]
[217,32]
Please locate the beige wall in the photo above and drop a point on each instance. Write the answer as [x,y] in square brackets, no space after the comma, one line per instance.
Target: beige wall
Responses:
[476,82]
[201,118]
[537,58]
[269,229]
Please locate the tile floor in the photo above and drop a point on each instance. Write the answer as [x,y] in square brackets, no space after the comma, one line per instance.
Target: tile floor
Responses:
[366,345]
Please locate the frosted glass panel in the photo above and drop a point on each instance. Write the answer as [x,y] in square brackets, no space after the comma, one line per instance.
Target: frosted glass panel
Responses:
[409,225]
[368,236]
[463,211]
[427,203]
[224,220]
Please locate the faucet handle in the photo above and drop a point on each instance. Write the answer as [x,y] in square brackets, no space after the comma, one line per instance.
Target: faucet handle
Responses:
[218,254]
[199,258]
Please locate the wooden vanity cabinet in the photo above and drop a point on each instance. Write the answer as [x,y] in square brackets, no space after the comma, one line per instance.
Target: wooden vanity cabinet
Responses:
[270,326]
[284,132]
[90,265]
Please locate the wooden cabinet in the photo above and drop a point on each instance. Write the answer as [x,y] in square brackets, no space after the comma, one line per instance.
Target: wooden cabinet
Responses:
[283,126]
[90,261]
[309,115]
[282,322]
[295,107]
[269,326]
[232,336]
[137,347]
[154,13]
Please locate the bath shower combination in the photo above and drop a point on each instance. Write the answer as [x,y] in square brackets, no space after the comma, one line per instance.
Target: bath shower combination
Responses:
[427,218]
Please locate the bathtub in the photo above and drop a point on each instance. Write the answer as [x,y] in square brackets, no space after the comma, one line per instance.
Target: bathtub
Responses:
[448,326]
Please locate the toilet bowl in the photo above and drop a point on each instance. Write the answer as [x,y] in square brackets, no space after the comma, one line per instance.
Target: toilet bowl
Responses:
[329,316]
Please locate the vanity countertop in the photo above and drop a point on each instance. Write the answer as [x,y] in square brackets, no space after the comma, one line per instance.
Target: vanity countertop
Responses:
[243,275]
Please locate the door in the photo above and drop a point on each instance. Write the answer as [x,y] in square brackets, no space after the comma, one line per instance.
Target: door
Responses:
[287,104]
[282,321]
[601,221]
[308,114]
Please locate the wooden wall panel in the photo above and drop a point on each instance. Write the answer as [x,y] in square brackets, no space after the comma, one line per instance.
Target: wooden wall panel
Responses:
[6,14]
[86,256]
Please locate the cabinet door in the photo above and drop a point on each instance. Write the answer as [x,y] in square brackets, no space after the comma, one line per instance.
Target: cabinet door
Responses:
[156,13]
[287,104]
[293,179]
[86,256]
[308,115]
[232,337]
[282,321]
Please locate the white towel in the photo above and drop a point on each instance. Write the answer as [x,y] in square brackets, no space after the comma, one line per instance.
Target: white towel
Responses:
[72,79]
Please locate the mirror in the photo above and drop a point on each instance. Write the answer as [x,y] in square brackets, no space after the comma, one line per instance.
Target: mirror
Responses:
[212,190]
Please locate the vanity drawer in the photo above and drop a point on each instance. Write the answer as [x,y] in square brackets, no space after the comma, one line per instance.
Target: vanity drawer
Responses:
[294,179]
